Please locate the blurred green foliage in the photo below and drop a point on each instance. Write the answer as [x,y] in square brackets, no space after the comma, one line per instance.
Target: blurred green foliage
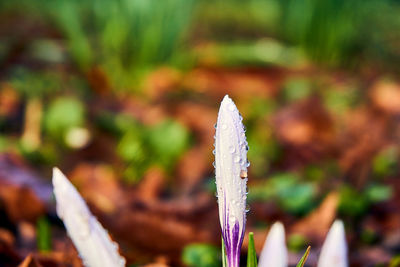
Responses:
[296,89]
[288,190]
[3,143]
[201,255]
[355,203]
[35,84]
[142,146]
[126,38]
[385,162]
[340,32]
[296,242]
[62,115]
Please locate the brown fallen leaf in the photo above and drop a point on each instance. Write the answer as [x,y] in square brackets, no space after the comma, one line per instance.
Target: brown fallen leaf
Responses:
[20,202]
[317,223]
[152,184]
[385,96]
[193,167]
[30,261]
[305,123]
[98,185]
[161,81]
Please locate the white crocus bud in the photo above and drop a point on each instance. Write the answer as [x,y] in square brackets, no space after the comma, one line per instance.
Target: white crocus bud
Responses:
[274,252]
[334,250]
[231,178]
[89,237]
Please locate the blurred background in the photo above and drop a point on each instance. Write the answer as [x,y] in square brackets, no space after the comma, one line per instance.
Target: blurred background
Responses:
[123,95]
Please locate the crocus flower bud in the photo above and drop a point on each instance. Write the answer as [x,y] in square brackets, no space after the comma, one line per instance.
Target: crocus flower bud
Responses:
[231,178]
[89,237]
[334,250]
[274,252]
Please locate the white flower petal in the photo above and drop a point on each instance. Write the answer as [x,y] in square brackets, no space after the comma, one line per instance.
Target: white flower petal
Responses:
[89,237]
[274,252]
[334,250]
[231,177]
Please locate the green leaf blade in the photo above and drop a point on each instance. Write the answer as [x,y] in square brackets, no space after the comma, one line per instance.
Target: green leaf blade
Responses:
[251,252]
[304,258]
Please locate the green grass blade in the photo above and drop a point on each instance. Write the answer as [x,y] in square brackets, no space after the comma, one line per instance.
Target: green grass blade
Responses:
[43,234]
[251,252]
[223,253]
[304,258]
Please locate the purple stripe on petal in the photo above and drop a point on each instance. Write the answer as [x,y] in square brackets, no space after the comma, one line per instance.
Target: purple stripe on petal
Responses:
[233,242]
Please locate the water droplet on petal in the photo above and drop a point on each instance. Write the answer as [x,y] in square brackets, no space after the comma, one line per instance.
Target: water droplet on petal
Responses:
[213,151]
[215,126]
[247,208]
[236,159]
[243,174]
[247,164]
[213,164]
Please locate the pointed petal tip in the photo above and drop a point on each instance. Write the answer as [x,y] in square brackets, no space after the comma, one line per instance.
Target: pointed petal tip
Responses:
[277,230]
[334,249]
[338,225]
[226,97]
[58,177]
[274,252]
[226,100]
[278,227]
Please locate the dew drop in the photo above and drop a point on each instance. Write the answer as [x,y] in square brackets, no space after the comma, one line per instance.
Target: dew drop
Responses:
[213,164]
[213,151]
[247,208]
[215,126]
[247,148]
[236,159]
[247,164]
[243,174]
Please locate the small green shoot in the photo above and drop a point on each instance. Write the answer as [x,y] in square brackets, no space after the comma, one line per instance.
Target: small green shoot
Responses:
[43,234]
[251,252]
[223,253]
[304,258]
